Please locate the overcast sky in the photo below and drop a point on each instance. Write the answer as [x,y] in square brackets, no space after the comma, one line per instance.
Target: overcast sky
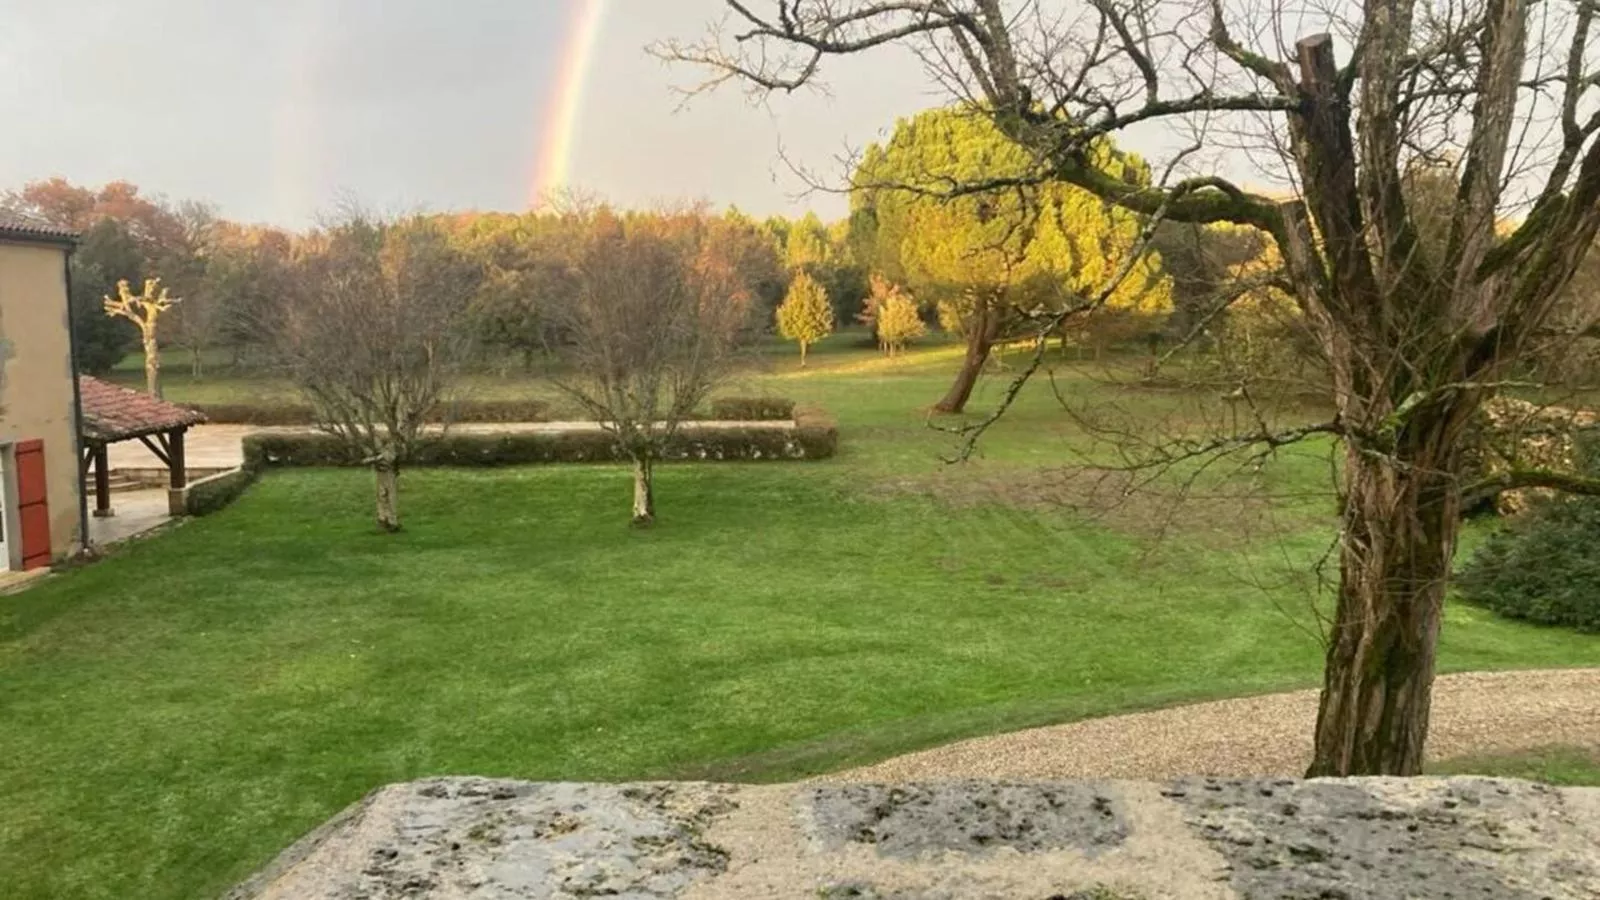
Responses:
[272,111]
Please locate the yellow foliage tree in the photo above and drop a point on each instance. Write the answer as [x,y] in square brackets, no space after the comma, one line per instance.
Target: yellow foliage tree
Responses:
[898,322]
[805,316]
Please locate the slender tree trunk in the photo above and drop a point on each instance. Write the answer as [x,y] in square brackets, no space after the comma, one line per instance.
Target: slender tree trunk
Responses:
[152,363]
[1401,519]
[802,354]
[980,339]
[644,497]
[388,479]
[195,370]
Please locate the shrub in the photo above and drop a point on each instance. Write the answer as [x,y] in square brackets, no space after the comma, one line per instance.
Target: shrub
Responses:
[293,413]
[1542,567]
[209,495]
[814,437]
[752,409]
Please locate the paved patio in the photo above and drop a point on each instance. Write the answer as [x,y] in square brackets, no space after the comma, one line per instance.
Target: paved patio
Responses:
[137,513]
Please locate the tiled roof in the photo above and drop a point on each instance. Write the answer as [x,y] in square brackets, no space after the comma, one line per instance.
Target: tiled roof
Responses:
[114,413]
[22,227]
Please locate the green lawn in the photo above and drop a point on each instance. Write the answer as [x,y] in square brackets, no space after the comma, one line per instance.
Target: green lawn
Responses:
[1571,766]
[175,715]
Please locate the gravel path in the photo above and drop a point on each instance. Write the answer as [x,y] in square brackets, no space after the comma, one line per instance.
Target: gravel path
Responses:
[1479,712]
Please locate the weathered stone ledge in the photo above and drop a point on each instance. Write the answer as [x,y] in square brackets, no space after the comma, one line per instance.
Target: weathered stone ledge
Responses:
[1197,838]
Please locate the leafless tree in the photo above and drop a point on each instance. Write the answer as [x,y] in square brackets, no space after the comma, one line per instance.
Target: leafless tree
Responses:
[373,335]
[144,309]
[1500,94]
[653,328]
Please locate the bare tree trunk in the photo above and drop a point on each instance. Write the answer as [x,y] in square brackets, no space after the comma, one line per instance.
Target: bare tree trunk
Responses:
[1401,520]
[152,363]
[388,478]
[802,354]
[195,369]
[644,497]
[980,338]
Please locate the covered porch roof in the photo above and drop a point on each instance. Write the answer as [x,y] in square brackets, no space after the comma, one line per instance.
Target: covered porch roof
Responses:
[114,413]
[110,413]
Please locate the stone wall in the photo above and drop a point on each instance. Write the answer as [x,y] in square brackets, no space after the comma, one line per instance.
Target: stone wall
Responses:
[1192,839]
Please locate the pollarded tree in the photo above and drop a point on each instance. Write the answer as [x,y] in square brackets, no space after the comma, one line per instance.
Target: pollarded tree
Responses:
[651,330]
[897,321]
[806,316]
[374,335]
[144,310]
[1417,335]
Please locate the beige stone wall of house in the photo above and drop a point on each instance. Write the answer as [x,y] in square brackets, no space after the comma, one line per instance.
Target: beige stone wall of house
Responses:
[36,377]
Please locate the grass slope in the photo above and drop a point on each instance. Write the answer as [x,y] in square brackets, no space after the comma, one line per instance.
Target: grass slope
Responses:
[175,715]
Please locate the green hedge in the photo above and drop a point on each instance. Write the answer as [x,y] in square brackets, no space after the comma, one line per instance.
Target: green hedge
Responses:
[289,413]
[814,437]
[752,409]
[209,495]
[1542,567]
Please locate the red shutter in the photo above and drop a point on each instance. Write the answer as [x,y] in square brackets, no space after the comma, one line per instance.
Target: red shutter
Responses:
[33,505]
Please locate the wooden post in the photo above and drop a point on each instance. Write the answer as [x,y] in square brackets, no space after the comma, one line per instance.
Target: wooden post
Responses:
[175,463]
[102,483]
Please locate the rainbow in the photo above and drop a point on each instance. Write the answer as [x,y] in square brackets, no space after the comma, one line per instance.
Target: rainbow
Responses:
[559,131]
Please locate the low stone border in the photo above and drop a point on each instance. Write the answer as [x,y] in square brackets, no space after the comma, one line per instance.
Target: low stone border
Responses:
[1190,839]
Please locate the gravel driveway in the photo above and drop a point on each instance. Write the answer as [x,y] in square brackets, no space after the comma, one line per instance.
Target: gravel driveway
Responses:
[1473,713]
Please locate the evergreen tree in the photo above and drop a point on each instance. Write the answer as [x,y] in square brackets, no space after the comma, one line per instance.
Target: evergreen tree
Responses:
[987,259]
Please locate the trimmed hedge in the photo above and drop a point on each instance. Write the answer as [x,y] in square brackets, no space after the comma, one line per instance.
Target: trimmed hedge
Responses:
[814,437]
[209,495]
[816,431]
[496,411]
[752,409]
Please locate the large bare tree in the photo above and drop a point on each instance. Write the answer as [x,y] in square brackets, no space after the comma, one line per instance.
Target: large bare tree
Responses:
[652,329]
[372,333]
[1417,333]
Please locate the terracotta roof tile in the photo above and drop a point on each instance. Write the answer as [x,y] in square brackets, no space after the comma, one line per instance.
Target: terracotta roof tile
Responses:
[114,413]
[21,226]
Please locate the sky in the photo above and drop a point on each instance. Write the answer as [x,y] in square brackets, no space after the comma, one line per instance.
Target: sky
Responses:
[275,112]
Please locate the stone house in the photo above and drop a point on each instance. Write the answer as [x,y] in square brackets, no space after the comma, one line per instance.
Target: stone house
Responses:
[42,511]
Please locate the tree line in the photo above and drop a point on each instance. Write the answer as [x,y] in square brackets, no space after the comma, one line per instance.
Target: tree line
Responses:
[230,278]
[904,262]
